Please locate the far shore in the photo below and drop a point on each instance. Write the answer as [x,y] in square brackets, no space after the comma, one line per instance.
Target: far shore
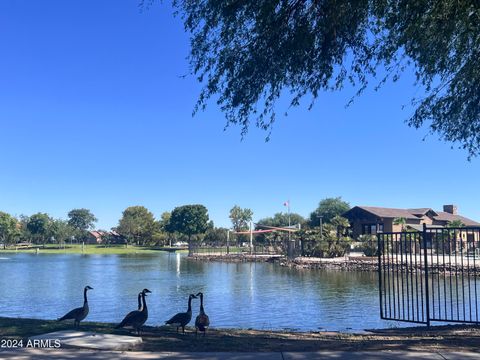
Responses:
[87,249]
[344,263]
[162,338]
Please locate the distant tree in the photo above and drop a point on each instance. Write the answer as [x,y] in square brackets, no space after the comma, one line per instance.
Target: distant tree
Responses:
[24,234]
[164,221]
[455,224]
[39,225]
[278,220]
[240,218]
[81,220]
[167,228]
[215,236]
[450,238]
[328,208]
[281,220]
[60,230]
[137,224]
[8,228]
[189,220]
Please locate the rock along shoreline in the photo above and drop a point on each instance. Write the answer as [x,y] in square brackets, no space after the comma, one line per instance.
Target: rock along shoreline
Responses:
[347,263]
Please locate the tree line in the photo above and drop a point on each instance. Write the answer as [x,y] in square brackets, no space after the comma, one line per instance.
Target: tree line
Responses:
[187,223]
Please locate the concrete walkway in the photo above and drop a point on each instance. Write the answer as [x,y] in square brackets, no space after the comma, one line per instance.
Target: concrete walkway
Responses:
[86,340]
[47,354]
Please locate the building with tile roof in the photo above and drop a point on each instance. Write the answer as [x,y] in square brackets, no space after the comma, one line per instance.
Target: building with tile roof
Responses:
[371,220]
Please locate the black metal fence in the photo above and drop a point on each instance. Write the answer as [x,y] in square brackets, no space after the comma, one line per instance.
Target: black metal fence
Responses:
[430,275]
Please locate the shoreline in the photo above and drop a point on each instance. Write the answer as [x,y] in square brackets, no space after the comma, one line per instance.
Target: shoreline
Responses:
[345,263]
[162,338]
[349,263]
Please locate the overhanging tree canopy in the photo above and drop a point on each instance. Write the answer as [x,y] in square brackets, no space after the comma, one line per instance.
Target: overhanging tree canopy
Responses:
[248,52]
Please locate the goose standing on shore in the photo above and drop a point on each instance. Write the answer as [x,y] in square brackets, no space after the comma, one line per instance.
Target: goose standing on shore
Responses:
[80,313]
[202,321]
[182,319]
[136,318]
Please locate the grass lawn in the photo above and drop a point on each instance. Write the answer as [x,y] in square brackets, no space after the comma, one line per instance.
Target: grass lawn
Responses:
[437,338]
[88,249]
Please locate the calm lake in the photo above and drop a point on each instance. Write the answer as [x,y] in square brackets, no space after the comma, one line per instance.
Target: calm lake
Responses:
[237,295]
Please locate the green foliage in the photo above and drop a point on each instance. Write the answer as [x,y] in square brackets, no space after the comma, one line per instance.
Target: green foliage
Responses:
[215,236]
[81,219]
[328,208]
[327,244]
[333,244]
[137,225]
[189,220]
[341,224]
[246,53]
[281,220]
[39,225]
[8,228]
[455,224]
[240,218]
[278,220]
[164,221]
[369,244]
[311,241]
[400,221]
[60,230]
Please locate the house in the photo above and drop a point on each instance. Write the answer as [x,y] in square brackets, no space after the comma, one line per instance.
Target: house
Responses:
[99,237]
[372,220]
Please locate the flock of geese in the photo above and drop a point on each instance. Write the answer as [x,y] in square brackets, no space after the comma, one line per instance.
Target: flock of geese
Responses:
[135,319]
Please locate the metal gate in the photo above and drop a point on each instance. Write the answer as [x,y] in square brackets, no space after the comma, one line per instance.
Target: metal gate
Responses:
[430,275]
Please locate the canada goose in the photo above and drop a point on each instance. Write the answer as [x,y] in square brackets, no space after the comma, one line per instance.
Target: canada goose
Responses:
[140,300]
[182,319]
[202,321]
[136,318]
[80,313]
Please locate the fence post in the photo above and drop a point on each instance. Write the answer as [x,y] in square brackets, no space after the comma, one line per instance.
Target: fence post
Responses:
[379,251]
[425,259]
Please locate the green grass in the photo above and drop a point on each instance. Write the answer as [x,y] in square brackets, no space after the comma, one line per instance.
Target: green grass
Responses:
[88,249]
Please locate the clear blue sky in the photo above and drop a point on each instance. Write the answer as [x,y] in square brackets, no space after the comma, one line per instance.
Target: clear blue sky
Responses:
[95,113]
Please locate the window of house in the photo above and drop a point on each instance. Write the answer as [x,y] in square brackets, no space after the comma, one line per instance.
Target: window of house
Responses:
[371,228]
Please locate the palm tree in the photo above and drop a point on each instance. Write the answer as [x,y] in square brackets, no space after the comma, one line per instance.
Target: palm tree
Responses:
[341,224]
[454,235]
[400,221]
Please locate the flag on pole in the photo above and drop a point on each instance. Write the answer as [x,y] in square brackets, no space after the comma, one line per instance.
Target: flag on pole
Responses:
[286,203]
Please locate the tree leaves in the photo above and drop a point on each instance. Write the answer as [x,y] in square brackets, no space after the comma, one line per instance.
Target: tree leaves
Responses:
[247,53]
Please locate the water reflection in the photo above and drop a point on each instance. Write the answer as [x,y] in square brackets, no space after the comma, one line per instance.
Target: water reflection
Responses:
[239,295]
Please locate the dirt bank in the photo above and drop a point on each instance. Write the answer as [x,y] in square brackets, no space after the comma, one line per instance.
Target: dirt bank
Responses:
[446,338]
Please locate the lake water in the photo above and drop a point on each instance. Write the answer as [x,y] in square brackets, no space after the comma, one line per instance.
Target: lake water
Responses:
[237,295]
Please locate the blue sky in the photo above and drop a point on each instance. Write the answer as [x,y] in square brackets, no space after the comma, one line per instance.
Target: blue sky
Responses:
[95,112]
